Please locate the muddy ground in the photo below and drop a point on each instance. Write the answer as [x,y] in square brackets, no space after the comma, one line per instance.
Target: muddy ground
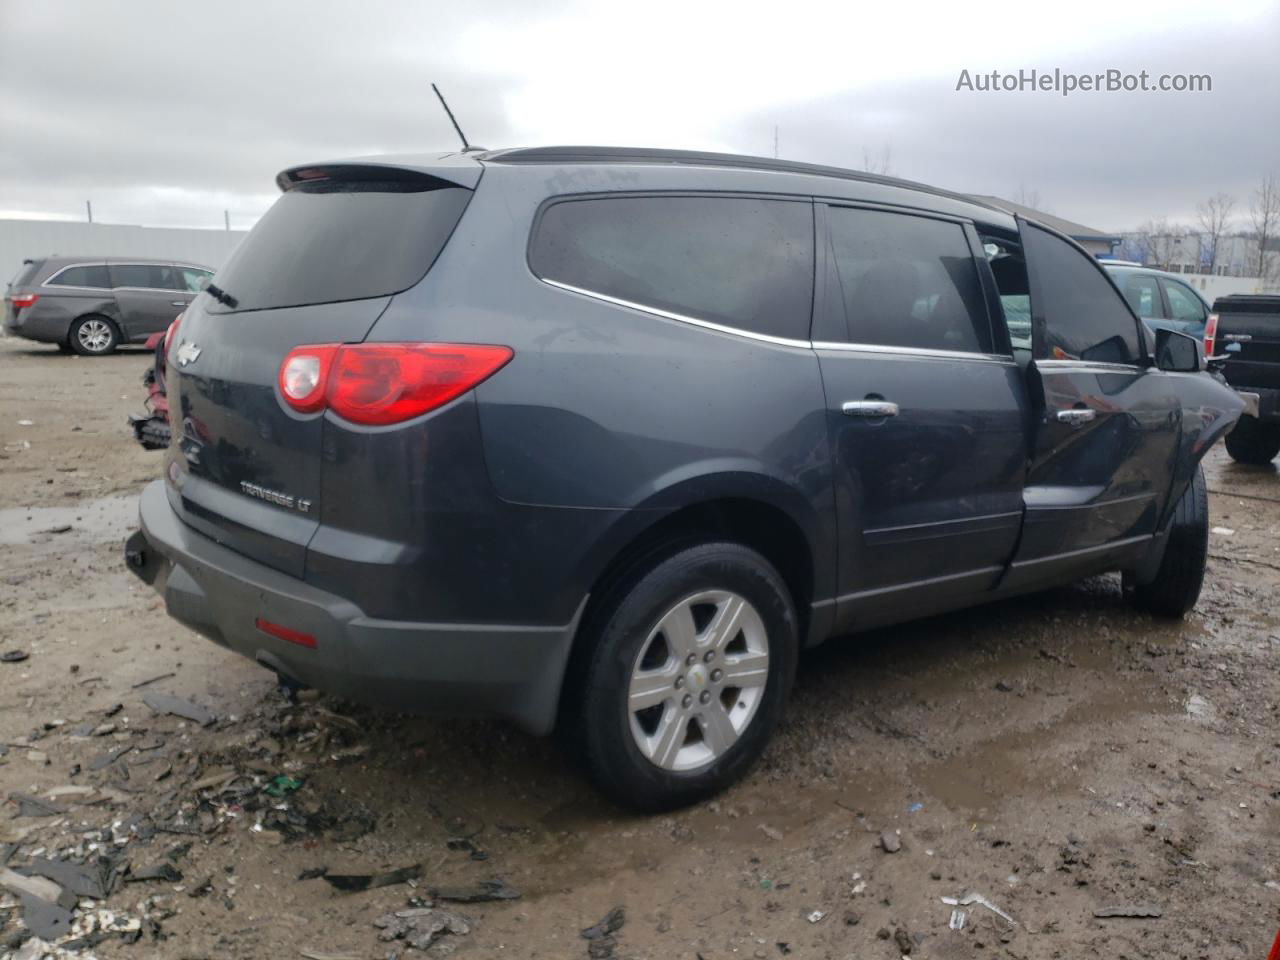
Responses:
[1058,755]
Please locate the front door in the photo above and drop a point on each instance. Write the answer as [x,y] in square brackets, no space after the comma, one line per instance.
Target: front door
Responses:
[927,414]
[1107,427]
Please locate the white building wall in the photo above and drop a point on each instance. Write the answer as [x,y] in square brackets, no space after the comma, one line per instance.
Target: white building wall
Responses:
[22,239]
[1213,287]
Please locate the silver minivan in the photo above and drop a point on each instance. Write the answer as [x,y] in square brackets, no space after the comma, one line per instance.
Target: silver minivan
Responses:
[93,304]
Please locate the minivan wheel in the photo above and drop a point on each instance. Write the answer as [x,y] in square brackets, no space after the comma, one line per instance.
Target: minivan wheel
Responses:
[688,676]
[1176,586]
[93,336]
[1253,441]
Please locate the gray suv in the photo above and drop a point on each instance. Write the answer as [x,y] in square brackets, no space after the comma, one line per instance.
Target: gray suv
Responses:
[93,304]
[600,439]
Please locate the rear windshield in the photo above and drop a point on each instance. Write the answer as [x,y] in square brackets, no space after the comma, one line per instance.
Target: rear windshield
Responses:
[24,274]
[332,240]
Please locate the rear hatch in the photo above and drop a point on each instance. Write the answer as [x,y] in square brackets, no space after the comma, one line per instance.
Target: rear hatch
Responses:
[320,267]
[1249,336]
[18,285]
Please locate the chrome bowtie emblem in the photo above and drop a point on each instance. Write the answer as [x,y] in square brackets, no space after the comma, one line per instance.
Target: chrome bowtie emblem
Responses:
[188,353]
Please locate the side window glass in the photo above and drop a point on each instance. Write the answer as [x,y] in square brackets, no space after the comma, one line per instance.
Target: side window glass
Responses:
[737,261]
[1183,304]
[908,281]
[1009,268]
[191,279]
[85,276]
[153,276]
[1085,316]
[1143,296]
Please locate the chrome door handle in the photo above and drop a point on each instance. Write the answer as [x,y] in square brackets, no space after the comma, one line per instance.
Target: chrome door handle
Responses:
[869,408]
[1076,417]
[179,303]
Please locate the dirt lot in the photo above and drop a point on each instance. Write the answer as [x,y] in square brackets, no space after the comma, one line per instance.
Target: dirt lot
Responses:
[1058,755]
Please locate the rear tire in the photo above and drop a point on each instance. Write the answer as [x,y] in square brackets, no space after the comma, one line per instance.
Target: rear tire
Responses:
[1253,441]
[94,336]
[1177,583]
[661,721]
[64,346]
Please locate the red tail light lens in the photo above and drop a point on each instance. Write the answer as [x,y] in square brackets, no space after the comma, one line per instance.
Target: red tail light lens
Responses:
[1210,334]
[172,331]
[382,383]
[285,633]
[20,300]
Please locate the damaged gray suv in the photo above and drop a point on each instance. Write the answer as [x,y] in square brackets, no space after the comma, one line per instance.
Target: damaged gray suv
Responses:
[602,439]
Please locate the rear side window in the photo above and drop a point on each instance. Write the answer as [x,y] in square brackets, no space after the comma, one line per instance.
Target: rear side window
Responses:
[739,261]
[330,240]
[191,279]
[149,276]
[95,276]
[25,274]
[908,281]
[1085,316]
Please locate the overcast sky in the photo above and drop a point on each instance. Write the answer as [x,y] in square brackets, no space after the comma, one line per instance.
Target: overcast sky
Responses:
[167,113]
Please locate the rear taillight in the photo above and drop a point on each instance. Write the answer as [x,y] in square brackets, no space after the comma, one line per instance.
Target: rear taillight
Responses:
[172,331]
[20,300]
[382,383]
[1210,334]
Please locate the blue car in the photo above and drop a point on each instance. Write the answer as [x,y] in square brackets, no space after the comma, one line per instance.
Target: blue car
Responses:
[1162,300]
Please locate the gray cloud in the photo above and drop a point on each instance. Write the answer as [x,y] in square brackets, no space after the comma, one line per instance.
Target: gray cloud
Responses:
[169,113]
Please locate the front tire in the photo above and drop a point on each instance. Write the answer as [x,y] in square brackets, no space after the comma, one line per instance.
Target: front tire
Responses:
[94,336]
[691,663]
[1177,583]
[1253,441]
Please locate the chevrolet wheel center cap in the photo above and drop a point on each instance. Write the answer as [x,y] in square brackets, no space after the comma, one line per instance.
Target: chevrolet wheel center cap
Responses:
[698,678]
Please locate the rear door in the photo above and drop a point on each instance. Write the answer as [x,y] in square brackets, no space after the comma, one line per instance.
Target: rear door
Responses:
[319,267]
[1107,430]
[926,411]
[1249,337]
[147,297]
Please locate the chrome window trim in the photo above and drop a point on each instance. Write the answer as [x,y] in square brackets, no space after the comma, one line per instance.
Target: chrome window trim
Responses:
[1103,365]
[680,317]
[48,281]
[785,341]
[914,352]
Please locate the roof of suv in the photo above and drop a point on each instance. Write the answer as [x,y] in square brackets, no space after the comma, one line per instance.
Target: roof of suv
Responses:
[464,168]
[61,258]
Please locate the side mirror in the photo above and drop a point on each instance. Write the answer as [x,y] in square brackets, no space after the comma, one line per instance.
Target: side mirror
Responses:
[1178,353]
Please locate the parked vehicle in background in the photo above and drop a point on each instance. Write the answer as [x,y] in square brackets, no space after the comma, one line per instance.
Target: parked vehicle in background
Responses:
[600,438]
[1162,300]
[1245,330]
[93,304]
[152,430]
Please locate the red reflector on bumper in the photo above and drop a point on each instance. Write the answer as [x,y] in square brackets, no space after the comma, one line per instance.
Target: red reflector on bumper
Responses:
[284,633]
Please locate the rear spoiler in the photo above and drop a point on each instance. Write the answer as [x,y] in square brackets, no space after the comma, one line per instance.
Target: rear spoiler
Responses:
[453,169]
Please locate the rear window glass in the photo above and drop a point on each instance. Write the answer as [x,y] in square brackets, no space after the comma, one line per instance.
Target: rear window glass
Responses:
[82,276]
[739,261]
[24,274]
[332,240]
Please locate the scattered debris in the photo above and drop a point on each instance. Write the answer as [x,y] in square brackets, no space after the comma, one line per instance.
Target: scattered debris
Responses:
[903,940]
[815,916]
[971,898]
[157,871]
[151,680]
[422,926]
[914,807]
[1222,531]
[612,922]
[111,756]
[30,806]
[484,891]
[13,656]
[355,882]
[773,833]
[96,880]
[317,955]
[280,786]
[1128,910]
[1200,708]
[164,703]
[1004,686]
[957,919]
[890,842]
[313,873]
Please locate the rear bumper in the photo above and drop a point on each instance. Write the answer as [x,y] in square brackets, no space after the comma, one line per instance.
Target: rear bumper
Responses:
[36,327]
[446,668]
[1261,402]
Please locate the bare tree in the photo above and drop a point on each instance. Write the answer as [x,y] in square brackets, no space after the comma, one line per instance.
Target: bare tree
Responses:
[1264,212]
[1215,219]
[1029,198]
[873,165]
[1162,242]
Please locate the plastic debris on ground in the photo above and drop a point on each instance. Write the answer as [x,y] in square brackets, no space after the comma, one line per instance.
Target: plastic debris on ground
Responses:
[420,927]
[970,899]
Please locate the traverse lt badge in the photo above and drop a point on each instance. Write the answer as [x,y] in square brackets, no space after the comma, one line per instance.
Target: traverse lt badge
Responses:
[188,353]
